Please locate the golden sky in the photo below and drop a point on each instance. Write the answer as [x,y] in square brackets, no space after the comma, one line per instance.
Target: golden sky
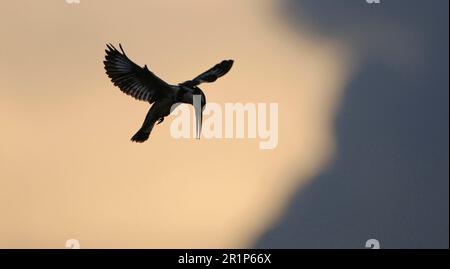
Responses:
[67,166]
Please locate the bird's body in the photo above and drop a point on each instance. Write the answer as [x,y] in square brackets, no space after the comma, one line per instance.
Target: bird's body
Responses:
[143,85]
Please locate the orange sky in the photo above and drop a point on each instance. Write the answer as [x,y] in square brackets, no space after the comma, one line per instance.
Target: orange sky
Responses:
[67,167]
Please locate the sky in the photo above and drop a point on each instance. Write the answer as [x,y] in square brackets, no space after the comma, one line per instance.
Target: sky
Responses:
[68,168]
[388,177]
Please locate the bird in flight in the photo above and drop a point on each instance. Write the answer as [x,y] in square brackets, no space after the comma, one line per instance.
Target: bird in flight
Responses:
[142,84]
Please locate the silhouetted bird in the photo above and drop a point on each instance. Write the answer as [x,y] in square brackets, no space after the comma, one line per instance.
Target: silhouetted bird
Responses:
[143,85]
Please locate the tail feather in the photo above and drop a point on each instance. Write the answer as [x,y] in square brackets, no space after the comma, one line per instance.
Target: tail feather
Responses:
[156,113]
[141,136]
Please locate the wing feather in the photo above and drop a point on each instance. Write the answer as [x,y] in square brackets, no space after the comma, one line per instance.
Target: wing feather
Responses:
[139,82]
[211,74]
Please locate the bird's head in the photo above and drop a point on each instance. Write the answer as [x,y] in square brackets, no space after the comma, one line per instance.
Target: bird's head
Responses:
[197,92]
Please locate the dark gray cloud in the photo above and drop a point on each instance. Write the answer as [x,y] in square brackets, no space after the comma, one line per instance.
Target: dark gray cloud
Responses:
[389,179]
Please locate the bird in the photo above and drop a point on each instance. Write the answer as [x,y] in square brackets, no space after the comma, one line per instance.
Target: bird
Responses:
[142,84]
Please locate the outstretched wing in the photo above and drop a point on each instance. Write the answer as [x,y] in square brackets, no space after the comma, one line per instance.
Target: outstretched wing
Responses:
[212,74]
[132,79]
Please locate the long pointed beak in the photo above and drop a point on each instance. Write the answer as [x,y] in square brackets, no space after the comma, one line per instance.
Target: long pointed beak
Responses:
[199,120]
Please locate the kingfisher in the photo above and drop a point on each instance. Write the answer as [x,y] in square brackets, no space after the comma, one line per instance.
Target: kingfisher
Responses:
[142,84]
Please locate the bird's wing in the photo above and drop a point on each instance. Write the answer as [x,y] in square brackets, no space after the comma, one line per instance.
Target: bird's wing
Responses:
[132,79]
[212,74]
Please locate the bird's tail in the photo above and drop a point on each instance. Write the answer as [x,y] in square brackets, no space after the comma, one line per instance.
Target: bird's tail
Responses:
[141,136]
[147,127]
